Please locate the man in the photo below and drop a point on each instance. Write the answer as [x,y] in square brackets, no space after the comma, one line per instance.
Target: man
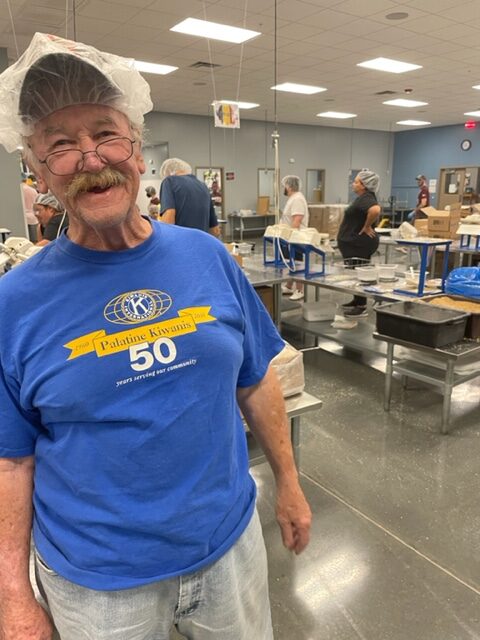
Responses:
[423,199]
[28,198]
[185,200]
[51,216]
[120,432]
[295,214]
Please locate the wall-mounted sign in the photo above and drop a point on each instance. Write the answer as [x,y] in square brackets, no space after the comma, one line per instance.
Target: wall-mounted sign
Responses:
[226,115]
[229,175]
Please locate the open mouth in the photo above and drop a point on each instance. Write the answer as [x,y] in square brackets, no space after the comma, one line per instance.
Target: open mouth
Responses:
[99,189]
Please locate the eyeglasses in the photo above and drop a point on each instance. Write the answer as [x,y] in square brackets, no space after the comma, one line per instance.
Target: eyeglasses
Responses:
[66,162]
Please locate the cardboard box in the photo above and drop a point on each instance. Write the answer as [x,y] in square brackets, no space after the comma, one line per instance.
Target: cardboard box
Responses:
[263,205]
[441,224]
[326,218]
[265,294]
[422,227]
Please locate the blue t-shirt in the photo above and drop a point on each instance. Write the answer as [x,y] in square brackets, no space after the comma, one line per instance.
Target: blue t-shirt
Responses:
[119,373]
[191,200]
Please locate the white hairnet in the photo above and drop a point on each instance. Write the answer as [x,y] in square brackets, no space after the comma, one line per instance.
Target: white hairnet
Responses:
[369,179]
[171,166]
[54,73]
[293,182]
[48,200]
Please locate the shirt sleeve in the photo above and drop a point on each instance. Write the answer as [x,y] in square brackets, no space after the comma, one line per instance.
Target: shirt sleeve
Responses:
[261,341]
[167,198]
[18,428]
[299,207]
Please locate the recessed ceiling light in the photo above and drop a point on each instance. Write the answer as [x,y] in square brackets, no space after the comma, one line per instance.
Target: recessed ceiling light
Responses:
[336,114]
[241,105]
[397,15]
[413,123]
[151,67]
[402,102]
[298,88]
[214,30]
[386,64]
[475,114]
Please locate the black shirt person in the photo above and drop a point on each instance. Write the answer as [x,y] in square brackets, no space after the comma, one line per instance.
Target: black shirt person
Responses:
[356,236]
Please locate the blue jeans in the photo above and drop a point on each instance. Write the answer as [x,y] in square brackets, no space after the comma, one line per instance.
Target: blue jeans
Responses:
[228,600]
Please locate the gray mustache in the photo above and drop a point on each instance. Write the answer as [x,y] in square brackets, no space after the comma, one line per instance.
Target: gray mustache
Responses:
[83,182]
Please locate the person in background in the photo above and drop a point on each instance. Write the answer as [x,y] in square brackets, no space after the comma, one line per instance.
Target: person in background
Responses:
[423,200]
[184,199]
[28,198]
[52,217]
[357,239]
[154,203]
[129,352]
[295,214]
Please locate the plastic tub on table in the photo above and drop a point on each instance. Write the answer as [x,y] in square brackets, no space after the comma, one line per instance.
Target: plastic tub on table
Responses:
[421,323]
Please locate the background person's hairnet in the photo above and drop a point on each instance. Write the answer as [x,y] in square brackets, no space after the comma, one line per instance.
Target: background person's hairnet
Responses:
[369,179]
[172,166]
[293,182]
[48,200]
[54,73]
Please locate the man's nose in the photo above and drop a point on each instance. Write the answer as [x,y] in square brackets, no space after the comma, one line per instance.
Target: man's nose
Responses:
[92,161]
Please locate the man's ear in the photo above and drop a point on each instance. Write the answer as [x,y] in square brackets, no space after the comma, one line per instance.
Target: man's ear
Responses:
[41,184]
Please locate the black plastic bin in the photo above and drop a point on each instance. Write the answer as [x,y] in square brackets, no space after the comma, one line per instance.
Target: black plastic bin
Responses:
[421,323]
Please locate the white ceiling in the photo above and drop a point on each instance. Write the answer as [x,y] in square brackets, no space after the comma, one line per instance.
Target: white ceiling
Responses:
[318,42]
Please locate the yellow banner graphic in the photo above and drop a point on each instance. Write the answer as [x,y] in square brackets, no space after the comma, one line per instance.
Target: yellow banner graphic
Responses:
[105,345]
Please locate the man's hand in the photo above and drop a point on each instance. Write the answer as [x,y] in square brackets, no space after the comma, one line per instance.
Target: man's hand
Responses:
[25,621]
[293,516]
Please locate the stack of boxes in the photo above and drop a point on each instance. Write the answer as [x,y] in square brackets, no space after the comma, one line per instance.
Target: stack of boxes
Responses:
[439,224]
[326,218]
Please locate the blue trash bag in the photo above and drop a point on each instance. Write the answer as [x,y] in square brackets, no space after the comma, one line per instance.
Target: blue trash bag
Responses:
[464,281]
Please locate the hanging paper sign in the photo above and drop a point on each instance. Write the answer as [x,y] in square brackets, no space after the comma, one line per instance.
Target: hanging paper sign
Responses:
[226,115]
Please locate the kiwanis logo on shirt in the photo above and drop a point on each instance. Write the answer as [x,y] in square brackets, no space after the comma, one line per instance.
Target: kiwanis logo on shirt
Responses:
[132,308]
[137,306]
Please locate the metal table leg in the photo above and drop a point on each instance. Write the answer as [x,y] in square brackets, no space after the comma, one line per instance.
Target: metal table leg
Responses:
[295,439]
[277,304]
[447,395]
[388,377]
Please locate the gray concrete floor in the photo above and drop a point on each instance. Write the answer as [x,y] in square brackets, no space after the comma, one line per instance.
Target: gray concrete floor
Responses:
[396,535]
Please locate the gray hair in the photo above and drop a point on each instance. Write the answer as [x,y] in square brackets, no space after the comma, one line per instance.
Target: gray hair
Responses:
[292,182]
[172,166]
[369,179]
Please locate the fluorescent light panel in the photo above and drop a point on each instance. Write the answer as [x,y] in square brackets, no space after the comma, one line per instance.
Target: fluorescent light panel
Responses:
[413,123]
[386,64]
[336,114]
[298,88]
[475,114]
[151,67]
[476,86]
[241,105]
[214,31]
[402,102]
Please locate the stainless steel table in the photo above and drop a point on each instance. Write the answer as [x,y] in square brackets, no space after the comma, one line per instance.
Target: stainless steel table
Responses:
[296,406]
[249,223]
[258,275]
[445,379]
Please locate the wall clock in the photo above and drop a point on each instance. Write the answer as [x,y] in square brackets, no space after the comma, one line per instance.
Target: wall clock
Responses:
[465,145]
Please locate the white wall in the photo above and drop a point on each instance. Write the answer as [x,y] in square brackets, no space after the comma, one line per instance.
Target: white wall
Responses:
[243,151]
